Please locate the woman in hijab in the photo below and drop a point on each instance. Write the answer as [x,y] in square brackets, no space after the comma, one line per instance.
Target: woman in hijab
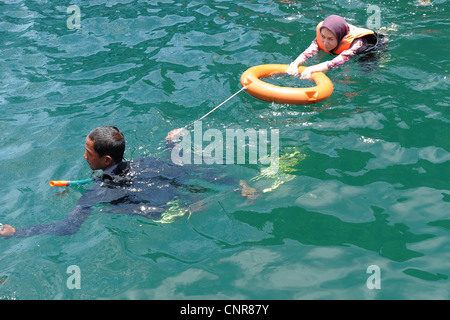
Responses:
[336,37]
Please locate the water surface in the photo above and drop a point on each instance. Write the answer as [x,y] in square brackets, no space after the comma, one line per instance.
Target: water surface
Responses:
[365,172]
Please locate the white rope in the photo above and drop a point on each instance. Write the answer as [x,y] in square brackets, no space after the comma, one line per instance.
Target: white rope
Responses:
[243,88]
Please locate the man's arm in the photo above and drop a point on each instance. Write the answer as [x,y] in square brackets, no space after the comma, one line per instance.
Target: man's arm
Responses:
[70,225]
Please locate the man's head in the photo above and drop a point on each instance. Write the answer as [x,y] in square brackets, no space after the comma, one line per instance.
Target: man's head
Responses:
[105,147]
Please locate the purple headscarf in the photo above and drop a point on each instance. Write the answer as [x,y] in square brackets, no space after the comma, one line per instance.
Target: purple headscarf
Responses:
[337,25]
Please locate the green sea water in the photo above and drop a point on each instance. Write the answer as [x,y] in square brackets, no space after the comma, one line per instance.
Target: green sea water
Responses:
[363,180]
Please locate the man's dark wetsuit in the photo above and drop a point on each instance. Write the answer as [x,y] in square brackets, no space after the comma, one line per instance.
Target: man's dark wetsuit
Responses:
[142,187]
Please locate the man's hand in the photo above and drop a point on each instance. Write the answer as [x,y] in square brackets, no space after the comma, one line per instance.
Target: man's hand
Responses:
[6,231]
[174,134]
[248,192]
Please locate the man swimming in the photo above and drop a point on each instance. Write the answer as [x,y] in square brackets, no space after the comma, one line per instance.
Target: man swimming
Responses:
[144,187]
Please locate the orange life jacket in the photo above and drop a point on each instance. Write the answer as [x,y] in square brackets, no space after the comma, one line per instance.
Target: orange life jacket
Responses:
[346,42]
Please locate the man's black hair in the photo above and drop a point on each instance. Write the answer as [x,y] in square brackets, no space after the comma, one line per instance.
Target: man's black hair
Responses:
[108,141]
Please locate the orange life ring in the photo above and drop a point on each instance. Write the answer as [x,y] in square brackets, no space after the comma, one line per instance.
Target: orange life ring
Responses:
[272,93]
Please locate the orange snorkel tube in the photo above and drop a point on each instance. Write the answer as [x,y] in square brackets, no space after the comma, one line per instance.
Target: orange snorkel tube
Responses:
[66,183]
